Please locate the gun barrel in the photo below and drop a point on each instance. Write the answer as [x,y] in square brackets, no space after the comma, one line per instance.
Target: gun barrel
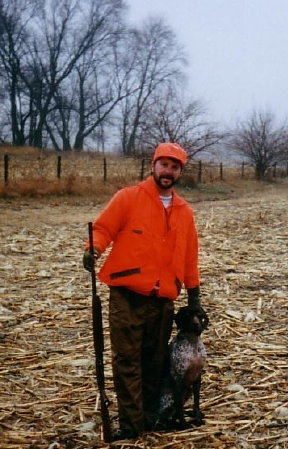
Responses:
[98,339]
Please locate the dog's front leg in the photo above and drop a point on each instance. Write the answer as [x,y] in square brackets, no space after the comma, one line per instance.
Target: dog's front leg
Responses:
[197,414]
[178,401]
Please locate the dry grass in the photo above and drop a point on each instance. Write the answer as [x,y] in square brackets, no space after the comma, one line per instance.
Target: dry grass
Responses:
[33,173]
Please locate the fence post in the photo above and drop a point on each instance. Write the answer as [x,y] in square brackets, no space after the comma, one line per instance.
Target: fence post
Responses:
[274,170]
[242,170]
[6,169]
[104,169]
[199,178]
[221,171]
[59,166]
[142,170]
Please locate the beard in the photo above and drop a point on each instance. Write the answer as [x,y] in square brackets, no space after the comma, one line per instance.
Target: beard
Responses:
[162,185]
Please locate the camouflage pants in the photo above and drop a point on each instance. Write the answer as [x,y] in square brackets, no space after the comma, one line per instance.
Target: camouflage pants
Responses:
[140,327]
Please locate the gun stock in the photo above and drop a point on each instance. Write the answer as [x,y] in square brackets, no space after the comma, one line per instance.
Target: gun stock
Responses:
[98,339]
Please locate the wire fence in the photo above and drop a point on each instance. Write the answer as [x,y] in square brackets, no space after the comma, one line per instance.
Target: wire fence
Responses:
[91,167]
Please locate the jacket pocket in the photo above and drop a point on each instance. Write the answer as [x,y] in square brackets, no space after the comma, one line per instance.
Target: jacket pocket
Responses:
[137,231]
[121,274]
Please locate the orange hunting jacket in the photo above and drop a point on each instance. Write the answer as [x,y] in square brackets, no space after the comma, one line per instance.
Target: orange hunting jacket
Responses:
[152,246]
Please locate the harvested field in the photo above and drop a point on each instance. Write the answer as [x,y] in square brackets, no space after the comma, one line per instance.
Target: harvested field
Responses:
[48,395]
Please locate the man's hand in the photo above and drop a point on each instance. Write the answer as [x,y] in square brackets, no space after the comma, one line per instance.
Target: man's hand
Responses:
[89,259]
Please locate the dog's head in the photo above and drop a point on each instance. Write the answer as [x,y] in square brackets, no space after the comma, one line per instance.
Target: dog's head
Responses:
[191,319]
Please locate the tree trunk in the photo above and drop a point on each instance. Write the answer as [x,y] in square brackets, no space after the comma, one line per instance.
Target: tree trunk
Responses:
[18,137]
[260,171]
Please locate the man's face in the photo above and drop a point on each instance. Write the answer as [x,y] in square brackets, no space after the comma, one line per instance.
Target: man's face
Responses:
[166,172]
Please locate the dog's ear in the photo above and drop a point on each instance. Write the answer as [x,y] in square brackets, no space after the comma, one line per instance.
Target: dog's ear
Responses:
[182,317]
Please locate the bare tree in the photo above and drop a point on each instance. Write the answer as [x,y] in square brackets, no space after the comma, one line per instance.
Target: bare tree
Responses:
[15,17]
[261,141]
[153,59]
[93,88]
[72,70]
[99,93]
[172,118]
[70,30]
[40,54]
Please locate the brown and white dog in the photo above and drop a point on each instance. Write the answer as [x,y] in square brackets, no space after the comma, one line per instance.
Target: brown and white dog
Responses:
[187,358]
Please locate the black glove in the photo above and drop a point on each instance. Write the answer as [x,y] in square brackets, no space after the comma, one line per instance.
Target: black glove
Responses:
[89,259]
[194,296]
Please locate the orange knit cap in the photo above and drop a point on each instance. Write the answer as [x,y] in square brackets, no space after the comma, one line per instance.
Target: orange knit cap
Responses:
[171,150]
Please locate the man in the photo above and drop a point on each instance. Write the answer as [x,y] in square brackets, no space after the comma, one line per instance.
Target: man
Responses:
[155,252]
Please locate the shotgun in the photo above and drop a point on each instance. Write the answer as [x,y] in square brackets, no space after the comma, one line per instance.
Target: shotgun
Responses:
[99,347]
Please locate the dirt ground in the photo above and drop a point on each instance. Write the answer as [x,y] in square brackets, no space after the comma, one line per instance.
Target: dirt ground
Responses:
[48,394]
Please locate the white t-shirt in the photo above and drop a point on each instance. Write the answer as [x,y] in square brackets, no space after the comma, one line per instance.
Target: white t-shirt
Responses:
[166,200]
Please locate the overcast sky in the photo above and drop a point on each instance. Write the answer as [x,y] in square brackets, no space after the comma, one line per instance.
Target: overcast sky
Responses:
[237,51]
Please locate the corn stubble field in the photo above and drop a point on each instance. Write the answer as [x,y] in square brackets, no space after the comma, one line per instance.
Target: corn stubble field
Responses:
[48,393]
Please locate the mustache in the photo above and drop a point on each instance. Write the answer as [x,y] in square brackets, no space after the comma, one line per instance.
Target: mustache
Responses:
[167,177]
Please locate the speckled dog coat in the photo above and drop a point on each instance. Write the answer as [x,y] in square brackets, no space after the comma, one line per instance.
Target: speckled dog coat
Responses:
[187,359]
[187,355]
